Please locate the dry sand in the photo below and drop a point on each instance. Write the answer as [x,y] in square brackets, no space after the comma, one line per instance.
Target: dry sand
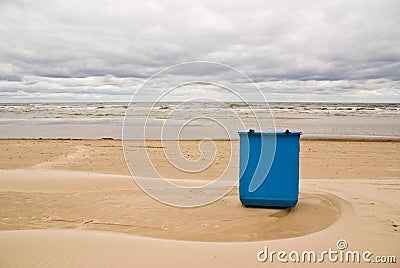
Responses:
[72,203]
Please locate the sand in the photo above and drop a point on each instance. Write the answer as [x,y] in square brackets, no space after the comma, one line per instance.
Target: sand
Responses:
[72,203]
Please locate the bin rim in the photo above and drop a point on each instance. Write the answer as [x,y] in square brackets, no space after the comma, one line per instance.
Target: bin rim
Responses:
[266,133]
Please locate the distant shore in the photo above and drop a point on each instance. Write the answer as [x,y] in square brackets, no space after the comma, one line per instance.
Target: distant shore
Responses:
[319,158]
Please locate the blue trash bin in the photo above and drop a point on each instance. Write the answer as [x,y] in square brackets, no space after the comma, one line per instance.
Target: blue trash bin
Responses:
[269,168]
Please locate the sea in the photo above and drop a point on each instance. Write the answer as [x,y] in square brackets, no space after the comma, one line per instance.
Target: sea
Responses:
[197,120]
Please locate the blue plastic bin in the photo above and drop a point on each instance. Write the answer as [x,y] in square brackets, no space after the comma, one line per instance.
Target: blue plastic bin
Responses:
[269,168]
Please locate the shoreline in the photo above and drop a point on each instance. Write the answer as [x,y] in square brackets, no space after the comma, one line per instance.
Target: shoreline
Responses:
[338,138]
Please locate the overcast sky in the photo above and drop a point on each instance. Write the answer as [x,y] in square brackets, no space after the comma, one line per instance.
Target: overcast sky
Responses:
[101,50]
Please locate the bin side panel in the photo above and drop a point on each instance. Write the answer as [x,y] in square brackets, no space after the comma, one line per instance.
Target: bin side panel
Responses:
[250,149]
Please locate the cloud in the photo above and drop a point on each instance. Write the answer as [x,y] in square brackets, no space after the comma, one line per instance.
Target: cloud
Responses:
[69,48]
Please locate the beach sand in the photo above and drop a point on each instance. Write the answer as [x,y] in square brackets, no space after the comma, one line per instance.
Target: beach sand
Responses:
[72,203]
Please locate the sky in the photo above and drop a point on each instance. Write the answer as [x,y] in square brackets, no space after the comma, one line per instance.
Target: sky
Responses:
[103,50]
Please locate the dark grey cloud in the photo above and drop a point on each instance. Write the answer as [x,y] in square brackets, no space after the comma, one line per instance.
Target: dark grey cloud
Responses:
[343,49]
